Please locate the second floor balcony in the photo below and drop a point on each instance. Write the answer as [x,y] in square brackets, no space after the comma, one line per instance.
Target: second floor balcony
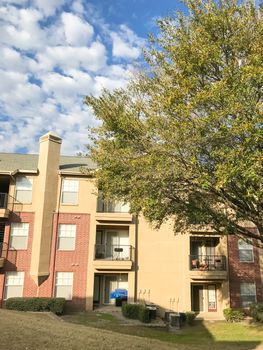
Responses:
[113,257]
[208,267]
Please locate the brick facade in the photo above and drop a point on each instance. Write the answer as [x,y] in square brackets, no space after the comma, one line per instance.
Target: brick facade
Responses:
[248,272]
[61,261]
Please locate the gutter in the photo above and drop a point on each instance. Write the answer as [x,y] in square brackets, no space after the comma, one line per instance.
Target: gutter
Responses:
[18,171]
[136,259]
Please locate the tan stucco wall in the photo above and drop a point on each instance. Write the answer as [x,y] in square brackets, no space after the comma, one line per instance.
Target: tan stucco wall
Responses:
[163,274]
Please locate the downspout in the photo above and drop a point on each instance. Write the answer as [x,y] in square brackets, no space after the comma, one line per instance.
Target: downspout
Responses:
[136,258]
[56,237]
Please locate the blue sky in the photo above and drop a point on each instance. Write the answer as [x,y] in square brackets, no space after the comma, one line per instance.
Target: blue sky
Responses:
[54,52]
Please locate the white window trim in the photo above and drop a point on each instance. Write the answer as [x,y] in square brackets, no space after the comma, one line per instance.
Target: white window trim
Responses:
[62,191]
[30,180]
[244,246]
[15,235]
[17,285]
[254,295]
[56,285]
[60,236]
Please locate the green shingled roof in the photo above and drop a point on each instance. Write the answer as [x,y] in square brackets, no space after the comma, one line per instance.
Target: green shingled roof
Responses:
[15,161]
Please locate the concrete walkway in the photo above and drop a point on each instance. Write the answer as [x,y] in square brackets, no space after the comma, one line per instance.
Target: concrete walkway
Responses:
[210,316]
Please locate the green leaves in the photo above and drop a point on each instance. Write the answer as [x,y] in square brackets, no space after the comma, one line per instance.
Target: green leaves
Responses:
[185,138]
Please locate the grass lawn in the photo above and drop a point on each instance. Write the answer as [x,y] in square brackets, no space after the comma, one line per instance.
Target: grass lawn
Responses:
[28,331]
[88,331]
[203,335]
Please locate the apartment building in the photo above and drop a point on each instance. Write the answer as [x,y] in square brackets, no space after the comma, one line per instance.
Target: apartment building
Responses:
[59,238]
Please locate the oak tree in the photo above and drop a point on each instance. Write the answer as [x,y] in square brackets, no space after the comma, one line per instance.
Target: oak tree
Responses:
[184,139]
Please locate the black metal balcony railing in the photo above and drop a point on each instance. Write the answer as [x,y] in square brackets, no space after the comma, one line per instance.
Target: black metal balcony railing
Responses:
[104,206]
[3,250]
[6,201]
[113,252]
[207,262]
[3,200]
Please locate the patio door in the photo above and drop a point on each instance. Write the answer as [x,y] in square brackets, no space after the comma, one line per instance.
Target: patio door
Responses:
[114,282]
[211,295]
[117,243]
[110,284]
[197,298]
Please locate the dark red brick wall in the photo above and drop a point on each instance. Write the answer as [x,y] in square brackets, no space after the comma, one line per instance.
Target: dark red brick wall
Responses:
[248,272]
[61,261]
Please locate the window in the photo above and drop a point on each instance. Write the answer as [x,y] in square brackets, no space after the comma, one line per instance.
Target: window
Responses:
[19,235]
[247,293]
[63,285]
[245,251]
[14,283]
[70,191]
[24,189]
[66,237]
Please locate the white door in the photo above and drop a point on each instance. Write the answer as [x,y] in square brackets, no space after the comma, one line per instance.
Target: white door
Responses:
[110,284]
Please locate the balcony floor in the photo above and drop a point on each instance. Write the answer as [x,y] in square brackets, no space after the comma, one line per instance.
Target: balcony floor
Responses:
[112,264]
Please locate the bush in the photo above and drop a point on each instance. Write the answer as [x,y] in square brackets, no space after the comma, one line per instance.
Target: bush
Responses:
[256,312]
[144,314]
[136,312]
[131,310]
[190,317]
[233,315]
[55,305]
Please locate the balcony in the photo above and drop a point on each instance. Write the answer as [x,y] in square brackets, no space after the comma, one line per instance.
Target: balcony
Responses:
[3,254]
[113,257]
[6,205]
[112,211]
[208,267]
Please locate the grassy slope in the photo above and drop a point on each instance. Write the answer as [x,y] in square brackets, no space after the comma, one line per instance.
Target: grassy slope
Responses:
[27,331]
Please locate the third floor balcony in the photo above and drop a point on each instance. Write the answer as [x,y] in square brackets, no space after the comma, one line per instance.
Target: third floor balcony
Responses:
[6,205]
[112,211]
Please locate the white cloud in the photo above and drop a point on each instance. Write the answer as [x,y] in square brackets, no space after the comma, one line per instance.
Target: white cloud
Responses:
[77,32]
[49,60]
[48,7]
[90,58]
[78,7]
[126,44]
[10,59]
[21,28]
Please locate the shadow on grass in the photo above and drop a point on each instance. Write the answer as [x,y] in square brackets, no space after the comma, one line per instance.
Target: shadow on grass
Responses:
[202,335]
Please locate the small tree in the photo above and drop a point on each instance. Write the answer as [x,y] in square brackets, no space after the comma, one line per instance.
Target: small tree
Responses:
[184,140]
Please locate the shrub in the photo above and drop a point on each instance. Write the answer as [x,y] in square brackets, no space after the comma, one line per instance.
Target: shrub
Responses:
[131,310]
[233,315]
[55,305]
[144,314]
[190,317]
[256,312]
[137,312]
